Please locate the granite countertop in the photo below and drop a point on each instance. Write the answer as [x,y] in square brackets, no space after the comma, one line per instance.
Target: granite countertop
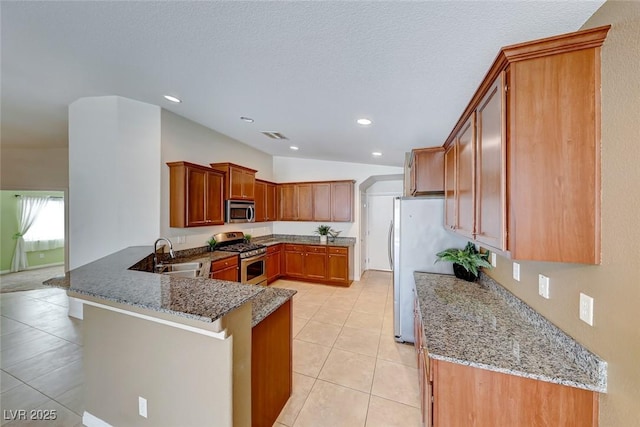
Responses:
[197,298]
[275,239]
[485,326]
[267,302]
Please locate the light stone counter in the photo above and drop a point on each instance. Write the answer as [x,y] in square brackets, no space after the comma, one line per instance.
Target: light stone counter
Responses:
[485,326]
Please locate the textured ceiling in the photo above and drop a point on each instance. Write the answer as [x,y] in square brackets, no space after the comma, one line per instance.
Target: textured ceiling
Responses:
[305,69]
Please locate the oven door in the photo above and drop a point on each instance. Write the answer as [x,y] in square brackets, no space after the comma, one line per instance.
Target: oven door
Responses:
[253,270]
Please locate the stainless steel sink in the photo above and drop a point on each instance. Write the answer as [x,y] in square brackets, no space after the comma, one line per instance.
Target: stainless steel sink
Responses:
[183,273]
[181,269]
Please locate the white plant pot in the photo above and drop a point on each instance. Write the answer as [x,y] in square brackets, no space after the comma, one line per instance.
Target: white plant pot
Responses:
[323,239]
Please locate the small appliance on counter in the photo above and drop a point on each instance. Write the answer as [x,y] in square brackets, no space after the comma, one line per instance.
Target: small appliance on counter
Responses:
[252,256]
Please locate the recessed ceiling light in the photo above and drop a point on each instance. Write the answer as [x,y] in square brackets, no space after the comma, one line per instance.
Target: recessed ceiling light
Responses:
[376,154]
[172,98]
[293,147]
[364,122]
[247,119]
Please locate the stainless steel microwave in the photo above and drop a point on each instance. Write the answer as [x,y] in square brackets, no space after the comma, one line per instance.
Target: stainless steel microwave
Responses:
[240,211]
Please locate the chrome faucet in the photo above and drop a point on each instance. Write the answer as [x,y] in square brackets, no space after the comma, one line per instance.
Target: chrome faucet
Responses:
[155,251]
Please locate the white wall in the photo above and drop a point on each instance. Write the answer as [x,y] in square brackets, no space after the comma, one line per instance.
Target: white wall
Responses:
[185,140]
[288,169]
[114,176]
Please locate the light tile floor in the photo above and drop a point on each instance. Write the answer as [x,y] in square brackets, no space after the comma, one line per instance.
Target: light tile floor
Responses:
[348,370]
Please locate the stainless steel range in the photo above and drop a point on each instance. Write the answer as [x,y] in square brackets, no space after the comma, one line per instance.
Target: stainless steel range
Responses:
[252,256]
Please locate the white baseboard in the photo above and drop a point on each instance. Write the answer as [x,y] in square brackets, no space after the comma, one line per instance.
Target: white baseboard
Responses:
[76,308]
[35,267]
[93,421]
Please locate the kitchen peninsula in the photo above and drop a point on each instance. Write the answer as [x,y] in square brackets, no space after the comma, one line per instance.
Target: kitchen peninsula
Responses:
[166,350]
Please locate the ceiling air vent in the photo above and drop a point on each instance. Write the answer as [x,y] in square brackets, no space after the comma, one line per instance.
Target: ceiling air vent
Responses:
[274,135]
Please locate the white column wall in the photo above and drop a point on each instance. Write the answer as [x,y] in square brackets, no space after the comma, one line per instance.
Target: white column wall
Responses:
[114,176]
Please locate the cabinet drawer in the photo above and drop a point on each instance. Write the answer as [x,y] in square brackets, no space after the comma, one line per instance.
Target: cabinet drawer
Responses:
[316,249]
[224,263]
[274,248]
[336,250]
[294,248]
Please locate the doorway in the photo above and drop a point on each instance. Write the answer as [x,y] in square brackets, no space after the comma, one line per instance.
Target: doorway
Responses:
[379,216]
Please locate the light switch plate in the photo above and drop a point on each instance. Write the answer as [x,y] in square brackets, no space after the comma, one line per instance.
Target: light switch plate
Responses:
[543,286]
[586,308]
[516,271]
[493,259]
[142,406]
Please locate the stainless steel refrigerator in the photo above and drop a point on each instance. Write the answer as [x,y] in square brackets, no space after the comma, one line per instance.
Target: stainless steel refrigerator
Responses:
[416,234]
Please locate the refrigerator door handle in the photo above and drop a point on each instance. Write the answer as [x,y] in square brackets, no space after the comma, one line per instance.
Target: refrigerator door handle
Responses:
[391,245]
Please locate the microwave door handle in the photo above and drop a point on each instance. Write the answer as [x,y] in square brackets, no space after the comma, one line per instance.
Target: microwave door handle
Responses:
[251,214]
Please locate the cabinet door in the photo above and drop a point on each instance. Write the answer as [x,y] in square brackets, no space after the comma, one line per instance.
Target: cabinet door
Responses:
[338,268]
[261,201]
[342,201]
[230,274]
[288,202]
[236,179]
[315,265]
[273,266]
[305,202]
[491,167]
[294,264]
[196,183]
[427,171]
[322,202]
[248,185]
[271,203]
[214,199]
[466,179]
[450,195]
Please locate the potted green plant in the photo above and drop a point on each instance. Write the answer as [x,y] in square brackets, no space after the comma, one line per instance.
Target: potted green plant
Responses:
[466,262]
[211,244]
[323,231]
[247,238]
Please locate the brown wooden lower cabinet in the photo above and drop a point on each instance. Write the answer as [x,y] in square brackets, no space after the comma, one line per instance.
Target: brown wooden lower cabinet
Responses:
[271,366]
[225,269]
[273,261]
[468,396]
[318,263]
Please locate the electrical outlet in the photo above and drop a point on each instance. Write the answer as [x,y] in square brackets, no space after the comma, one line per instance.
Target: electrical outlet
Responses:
[142,406]
[543,286]
[493,259]
[586,309]
[516,271]
[182,239]
[41,255]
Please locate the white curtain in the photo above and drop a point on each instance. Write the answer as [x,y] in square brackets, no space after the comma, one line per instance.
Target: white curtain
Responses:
[28,209]
[47,230]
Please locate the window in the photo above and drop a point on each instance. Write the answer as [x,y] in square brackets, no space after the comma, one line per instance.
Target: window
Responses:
[47,230]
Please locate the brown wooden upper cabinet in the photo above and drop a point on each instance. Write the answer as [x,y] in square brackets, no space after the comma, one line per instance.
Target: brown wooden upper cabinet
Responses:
[522,164]
[265,201]
[195,195]
[426,169]
[316,201]
[239,181]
